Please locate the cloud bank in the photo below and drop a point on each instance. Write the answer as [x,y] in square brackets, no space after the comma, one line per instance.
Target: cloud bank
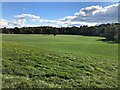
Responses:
[96,14]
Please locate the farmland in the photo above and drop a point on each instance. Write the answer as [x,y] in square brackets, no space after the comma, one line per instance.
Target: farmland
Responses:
[62,61]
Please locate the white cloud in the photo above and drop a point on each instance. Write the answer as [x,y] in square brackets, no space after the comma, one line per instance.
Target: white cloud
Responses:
[46,21]
[96,14]
[3,22]
[13,23]
[27,16]
[22,21]
[19,21]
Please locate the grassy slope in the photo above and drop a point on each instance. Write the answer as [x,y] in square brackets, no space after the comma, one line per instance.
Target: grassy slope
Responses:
[61,61]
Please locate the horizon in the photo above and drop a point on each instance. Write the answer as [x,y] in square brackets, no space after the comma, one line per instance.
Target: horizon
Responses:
[58,27]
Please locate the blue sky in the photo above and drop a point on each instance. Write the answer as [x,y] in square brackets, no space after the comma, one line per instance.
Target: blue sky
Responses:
[46,10]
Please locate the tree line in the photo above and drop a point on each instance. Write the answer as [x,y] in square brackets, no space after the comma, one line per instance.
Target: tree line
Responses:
[109,31]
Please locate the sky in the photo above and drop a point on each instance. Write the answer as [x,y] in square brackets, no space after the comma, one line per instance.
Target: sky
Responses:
[58,14]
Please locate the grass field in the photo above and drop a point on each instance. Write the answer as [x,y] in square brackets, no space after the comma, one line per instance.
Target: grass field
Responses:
[62,61]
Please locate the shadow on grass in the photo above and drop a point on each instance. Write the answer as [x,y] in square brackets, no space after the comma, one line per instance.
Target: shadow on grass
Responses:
[108,41]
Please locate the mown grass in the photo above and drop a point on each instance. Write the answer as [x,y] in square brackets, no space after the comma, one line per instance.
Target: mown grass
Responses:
[63,61]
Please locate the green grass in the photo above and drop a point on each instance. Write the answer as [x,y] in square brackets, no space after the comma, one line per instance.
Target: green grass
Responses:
[63,61]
